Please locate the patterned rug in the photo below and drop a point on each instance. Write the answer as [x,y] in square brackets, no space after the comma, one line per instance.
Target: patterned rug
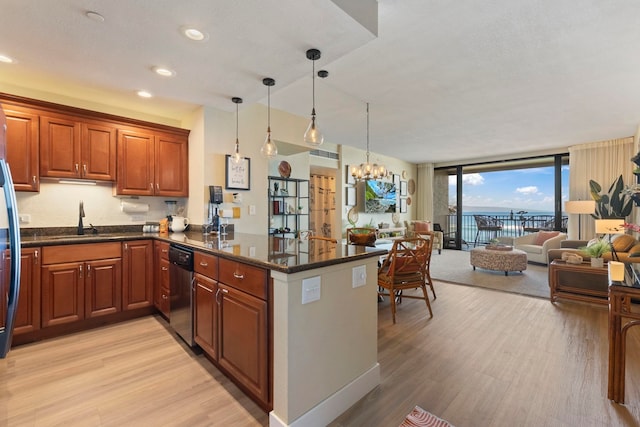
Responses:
[421,418]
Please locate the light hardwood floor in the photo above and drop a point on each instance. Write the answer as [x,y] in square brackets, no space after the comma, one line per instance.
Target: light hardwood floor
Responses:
[486,358]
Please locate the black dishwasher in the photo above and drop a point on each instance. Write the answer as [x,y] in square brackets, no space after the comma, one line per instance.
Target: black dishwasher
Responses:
[181,292]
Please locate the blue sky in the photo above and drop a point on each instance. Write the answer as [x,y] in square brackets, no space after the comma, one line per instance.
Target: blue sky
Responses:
[523,189]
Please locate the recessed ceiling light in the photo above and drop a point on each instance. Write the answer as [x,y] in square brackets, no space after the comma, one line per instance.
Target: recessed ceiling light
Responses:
[144,94]
[94,16]
[164,72]
[194,34]
[6,59]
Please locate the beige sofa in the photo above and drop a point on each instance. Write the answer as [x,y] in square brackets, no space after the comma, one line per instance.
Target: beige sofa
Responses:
[414,231]
[538,244]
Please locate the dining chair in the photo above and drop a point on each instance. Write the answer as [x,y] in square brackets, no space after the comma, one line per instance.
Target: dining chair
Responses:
[405,268]
[485,223]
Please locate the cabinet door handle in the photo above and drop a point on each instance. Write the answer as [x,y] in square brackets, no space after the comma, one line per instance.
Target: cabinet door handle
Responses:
[205,288]
[84,169]
[80,270]
[126,247]
[151,186]
[33,179]
[238,275]
[77,169]
[164,296]
[35,257]
[157,186]
[204,264]
[88,270]
[217,293]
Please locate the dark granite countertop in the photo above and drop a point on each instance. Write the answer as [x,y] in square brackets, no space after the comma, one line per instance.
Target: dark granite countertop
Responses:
[279,254]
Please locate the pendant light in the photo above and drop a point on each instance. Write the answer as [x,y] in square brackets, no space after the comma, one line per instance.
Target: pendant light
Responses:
[269,148]
[236,157]
[313,136]
[368,170]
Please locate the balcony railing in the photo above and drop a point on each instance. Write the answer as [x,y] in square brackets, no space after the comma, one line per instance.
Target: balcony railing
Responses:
[496,226]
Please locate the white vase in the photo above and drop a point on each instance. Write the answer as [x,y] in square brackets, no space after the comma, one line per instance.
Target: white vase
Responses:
[597,262]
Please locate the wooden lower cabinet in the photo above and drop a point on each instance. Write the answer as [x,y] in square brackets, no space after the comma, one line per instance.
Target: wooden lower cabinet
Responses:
[243,340]
[28,312]
[80,290]
[137,284]
[75,287]
[206,314]
[161,282]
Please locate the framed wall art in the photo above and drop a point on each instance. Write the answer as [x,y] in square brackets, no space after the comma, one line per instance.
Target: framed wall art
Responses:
[403,205]
[351,196]
[403,188]
[237,176]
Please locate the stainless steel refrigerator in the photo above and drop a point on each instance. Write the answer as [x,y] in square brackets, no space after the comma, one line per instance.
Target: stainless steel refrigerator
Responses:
[9,246]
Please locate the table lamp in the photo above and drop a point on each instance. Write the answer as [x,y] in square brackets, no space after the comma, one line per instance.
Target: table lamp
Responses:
[580,207]
[610,226]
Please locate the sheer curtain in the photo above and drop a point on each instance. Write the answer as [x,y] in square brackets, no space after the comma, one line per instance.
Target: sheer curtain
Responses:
[602,162]
[424,192]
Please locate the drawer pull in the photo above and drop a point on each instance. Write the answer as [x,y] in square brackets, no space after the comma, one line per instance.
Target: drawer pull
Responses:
[204,264]
[164,296]
[164,251]
[205,288]
[165,268]
[238,275]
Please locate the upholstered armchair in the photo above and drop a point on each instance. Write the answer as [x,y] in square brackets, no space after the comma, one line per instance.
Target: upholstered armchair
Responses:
[416,226]
[536,245]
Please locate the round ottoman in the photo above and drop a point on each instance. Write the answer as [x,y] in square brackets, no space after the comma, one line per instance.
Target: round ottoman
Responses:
[499,260]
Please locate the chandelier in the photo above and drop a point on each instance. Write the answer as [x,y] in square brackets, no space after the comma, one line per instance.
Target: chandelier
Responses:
[368,170]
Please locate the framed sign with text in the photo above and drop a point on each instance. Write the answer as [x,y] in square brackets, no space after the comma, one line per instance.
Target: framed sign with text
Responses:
[237,176]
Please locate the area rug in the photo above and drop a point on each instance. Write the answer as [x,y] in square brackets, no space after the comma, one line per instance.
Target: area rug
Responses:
[421,418]
[453,266]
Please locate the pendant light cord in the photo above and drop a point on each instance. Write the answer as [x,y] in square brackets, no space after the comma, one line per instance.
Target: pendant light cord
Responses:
[269,108]
[367,132]
[313,87]
[236,127]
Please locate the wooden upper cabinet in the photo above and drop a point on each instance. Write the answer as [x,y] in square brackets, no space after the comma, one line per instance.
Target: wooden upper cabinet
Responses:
[73,148]
[152,164]
[135,163]
[171,166]
[23,135]
[98,152]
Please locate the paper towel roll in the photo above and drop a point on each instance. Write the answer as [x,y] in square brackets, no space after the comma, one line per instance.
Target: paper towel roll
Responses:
[129,207]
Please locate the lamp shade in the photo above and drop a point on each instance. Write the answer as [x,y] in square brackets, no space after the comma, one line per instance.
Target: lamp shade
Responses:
[609,226]
[616,271]
[580,206]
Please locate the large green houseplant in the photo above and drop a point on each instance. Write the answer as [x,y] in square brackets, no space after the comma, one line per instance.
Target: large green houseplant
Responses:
[615,203]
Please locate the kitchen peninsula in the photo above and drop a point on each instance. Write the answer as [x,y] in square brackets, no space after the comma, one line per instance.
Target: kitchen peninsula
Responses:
[321,354]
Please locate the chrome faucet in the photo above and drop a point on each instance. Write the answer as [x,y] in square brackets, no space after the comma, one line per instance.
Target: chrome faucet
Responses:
[80,216]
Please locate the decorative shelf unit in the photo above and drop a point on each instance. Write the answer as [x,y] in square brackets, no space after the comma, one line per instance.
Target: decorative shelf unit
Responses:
[288,206]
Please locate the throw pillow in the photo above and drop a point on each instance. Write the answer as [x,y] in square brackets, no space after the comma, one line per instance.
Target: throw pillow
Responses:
[634,252]
[623,243]
[419,226]
[543,236]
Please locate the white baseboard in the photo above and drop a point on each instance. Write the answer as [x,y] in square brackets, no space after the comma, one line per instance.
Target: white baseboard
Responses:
[330,408]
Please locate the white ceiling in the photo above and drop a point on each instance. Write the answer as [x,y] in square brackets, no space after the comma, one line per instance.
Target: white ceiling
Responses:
[447,81]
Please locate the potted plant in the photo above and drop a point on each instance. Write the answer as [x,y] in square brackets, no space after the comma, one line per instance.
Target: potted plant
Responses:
[596,250]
